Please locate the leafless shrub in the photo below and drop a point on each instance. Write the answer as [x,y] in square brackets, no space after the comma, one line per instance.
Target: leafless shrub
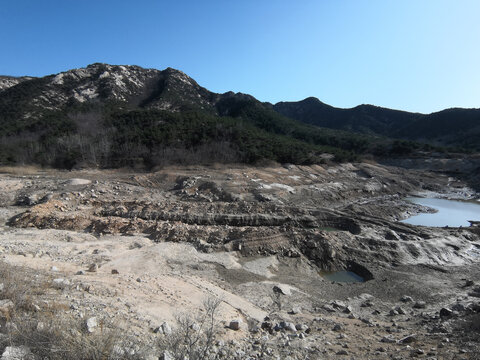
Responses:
[195,335]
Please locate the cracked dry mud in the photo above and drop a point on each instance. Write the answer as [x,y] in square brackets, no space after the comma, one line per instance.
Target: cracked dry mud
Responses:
[259,239]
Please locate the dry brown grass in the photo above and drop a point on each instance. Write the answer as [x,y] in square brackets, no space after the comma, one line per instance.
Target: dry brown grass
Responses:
[20,286]
[51,331]
[54,337]
[46,327]
[20,170]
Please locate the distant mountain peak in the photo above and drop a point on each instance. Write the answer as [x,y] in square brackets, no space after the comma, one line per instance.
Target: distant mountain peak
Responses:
[133,87]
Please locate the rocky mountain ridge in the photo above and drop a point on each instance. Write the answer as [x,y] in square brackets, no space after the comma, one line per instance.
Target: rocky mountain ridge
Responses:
[121,115]
[110,116]
[99,83]
[452,127]
[173,90]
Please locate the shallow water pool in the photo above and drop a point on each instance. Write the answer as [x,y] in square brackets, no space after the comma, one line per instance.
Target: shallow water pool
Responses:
[343,276]
[453,213]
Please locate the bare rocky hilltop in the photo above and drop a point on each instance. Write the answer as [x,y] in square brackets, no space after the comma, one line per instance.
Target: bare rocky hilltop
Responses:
[132,252]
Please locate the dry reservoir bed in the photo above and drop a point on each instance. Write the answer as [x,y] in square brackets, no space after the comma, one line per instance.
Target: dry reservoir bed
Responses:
[134,251]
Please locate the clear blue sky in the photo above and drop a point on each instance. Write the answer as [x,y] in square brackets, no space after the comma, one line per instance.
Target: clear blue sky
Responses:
[416,55]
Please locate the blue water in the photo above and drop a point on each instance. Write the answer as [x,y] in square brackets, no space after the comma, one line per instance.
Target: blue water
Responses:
[452,213]
[343,276]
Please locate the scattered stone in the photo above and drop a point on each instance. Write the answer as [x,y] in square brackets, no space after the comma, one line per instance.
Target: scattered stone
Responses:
[367,303]
[282,289]
[266,325]
[115,272]
[253,327]
[289,326]
[406,299]
[163,329]
[475,292]
[91,324]
[80,272]
[235,324]
[135,245]
[301,327]
[61,283]
[408,339]
[445,312]
[459,307]
[93,268]
[392,235]
[342,352]
[166,355]
[473,307]
[393,312]
[365,296]
[328,308]
[420,305]
[400,310]
[388,339]
[17,353]
[295,310]
[366,321]
[337,327]
[54,268]
[195,327]
[337,304]
[166,329]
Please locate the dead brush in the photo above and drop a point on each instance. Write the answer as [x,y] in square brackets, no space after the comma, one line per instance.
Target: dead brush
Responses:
[64,338]
[20,170]
[47,329]
[195,336]
[20,286]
